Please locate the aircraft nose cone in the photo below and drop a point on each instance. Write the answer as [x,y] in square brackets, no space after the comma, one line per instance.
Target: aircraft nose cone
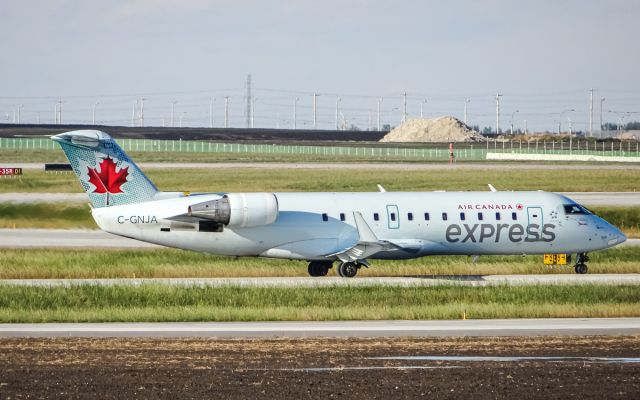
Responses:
[616,236]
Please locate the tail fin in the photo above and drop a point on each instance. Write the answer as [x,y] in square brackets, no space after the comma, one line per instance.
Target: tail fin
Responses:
[106,173]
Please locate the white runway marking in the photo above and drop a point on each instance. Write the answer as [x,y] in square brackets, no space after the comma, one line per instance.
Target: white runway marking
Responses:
[301,329]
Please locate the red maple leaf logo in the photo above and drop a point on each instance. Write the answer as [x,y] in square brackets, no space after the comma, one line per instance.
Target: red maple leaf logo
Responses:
[108,180]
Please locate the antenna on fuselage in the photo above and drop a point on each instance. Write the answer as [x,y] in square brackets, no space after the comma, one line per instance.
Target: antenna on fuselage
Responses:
[491,187]
[381,189]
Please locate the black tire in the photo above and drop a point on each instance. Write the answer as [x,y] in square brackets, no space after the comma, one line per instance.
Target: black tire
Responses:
[347,270]
[581,268]
[313,269]
[324,269]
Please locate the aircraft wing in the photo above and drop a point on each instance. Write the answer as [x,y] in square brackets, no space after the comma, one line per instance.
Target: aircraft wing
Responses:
[368,243]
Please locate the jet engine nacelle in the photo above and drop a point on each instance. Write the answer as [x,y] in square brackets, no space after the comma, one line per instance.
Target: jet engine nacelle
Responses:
[240,210]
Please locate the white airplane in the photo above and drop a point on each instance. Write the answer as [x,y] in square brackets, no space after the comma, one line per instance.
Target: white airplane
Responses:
[323,228]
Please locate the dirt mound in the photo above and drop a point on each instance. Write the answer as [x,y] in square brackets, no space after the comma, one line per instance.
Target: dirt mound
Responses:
[441,129]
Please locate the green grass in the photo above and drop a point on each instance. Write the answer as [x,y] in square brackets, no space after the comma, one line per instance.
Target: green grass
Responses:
[164,303]
[173,263]
[323,180]
[46,215]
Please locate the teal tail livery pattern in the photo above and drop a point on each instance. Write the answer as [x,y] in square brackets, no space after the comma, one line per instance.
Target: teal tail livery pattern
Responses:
[106,173]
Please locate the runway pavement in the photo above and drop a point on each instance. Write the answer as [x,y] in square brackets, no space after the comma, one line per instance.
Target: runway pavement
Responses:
[369,329]
[627,199]
[334,281]
[73,238]
[79,238]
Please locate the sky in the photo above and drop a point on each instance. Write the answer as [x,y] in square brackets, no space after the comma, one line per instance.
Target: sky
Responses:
[541,56]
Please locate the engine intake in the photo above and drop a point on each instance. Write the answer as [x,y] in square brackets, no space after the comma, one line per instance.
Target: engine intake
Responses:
[240,210]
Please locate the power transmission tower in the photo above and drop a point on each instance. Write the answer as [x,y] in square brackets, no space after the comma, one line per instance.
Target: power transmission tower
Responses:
[248,100]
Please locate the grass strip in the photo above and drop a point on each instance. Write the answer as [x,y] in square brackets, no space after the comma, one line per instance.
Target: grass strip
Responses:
[149,303]
[358,180]
[173,263]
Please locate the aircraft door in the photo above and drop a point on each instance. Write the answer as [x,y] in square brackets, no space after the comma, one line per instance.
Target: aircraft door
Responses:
[393,217]
[534,215]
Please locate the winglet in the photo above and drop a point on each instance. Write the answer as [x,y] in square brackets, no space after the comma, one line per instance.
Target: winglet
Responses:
[381,189]
[364,232]
[491,187]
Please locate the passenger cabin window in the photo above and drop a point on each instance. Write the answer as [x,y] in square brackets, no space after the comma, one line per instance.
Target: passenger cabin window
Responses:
[410,216]
[325,217]
[444,216]
[480,217]
[376,217]
[514,216]
[575,209]
[497,216]
[393,216]
[342,218]
[426,216]
[462,216]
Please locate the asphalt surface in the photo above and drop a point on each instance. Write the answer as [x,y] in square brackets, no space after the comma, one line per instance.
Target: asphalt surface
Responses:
[73,238]
[77,238]
[334,281]
[311,329]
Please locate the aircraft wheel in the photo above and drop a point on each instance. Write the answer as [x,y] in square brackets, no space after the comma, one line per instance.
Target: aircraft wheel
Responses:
[318,268]
[347,269]
[581,268]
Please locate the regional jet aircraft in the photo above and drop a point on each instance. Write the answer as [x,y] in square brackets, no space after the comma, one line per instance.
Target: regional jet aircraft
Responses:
[322,228]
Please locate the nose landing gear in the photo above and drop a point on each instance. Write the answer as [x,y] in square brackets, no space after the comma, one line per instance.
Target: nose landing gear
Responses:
[581,263]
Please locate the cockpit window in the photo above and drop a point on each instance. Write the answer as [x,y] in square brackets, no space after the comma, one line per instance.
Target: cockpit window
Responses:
[575,209]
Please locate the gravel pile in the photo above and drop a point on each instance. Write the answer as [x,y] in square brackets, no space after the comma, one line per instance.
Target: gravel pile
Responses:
[441,129]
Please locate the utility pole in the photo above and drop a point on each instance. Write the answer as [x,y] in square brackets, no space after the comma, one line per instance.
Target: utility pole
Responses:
[142,99]
[295,114]
[20,113]
[337,112]
[525,126]
[498,95]
[226,111]
[465,110]
[55,114]
[315,115]
[253,109]
[60,111]
[93,112]
[379,101]
[133,115]
[512,115]
[404,101]
[211,101]
[601,123]
[249,104]
[423,102]
[173,103]
[590,112]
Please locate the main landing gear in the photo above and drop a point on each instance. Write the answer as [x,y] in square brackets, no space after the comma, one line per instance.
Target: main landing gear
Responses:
[345,269]
[319,268]
[348,269]
[581,263]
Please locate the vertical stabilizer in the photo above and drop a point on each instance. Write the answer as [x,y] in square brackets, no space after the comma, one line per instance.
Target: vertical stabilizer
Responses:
[105,171]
